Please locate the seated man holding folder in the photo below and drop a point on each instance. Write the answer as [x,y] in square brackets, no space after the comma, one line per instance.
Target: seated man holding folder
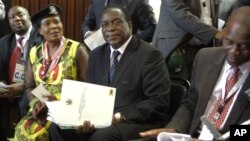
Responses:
[220,84]
[139,74]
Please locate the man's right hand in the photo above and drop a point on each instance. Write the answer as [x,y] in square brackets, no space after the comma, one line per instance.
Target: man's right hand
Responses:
[155,132]
[87,127]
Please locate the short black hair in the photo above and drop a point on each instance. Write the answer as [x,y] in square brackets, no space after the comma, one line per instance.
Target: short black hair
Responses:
[118,6]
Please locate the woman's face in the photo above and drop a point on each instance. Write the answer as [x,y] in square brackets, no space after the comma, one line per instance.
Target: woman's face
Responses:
[51,29]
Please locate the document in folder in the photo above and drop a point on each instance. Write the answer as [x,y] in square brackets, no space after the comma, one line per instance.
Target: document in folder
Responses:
[84,101]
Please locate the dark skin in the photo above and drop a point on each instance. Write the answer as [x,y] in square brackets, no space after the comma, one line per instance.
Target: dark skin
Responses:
[236,45]
[19,21]
[116,31]
[52,31]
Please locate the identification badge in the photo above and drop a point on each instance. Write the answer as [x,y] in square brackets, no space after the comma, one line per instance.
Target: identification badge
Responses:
[18,73]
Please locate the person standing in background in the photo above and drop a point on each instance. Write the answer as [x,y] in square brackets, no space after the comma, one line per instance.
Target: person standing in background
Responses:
[179,22]
[143,19]
[2,10]
[219,86]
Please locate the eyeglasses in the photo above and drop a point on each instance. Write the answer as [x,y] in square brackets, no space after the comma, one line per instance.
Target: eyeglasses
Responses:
[242,45]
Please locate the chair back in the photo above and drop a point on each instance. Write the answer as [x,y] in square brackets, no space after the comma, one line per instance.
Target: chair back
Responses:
[177,94]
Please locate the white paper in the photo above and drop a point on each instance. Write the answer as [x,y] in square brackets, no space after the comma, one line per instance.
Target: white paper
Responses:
[205,134]
[40,92]
[95,40]
[221,24]
[84,101]
[165,136]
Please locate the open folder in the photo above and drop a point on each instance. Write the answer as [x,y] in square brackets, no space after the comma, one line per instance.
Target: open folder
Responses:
[82,101]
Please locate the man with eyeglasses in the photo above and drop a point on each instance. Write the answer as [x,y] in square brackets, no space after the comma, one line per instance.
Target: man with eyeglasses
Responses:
[219,86]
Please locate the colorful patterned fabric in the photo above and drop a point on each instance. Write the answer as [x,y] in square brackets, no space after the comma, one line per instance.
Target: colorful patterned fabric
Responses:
[66,68]
[29,129]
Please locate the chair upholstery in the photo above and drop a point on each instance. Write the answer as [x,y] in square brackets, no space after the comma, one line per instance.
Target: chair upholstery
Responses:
[177,94]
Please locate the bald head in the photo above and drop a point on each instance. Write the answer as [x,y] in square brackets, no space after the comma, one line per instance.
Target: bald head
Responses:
[241,16]
[236,38]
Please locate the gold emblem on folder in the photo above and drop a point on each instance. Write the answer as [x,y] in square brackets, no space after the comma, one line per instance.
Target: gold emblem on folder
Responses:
[111,92]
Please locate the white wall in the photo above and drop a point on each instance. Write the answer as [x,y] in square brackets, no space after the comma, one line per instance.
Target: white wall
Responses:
[156,6]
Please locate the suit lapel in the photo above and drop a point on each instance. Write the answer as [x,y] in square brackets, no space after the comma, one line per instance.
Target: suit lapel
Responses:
[106,65]
[240,105]
[126,60]
[212,79]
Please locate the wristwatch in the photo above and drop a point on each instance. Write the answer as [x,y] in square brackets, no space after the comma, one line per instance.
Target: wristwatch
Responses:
[119,117]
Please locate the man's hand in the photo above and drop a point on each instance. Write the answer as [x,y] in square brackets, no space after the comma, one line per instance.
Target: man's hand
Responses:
[219,35]
[14,89]
[87,127]
[155,132]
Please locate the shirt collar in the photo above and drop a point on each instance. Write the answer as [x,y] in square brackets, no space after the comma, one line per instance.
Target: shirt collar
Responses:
[122,48]
[243,67]
[26,35]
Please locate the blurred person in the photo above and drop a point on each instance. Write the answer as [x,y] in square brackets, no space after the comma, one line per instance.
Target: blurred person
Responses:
[2,10]
[50,62]
[219,84]
[143,20]
[183,28]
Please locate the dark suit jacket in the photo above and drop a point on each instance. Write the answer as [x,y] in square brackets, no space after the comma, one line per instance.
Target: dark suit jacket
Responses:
[141,81]
[207,68]
[8,43]
[143,19]
[178,23]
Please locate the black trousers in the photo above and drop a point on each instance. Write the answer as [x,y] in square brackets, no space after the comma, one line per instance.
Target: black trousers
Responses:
[118,132]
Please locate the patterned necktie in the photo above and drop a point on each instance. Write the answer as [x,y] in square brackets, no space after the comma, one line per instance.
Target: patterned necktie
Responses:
[20,41]
[113,64]
[15,58]
[222,106]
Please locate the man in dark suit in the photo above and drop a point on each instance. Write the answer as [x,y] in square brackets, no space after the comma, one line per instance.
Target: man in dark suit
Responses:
[212,70]
[141,78]
[179,22]
[141,12]
[21,26]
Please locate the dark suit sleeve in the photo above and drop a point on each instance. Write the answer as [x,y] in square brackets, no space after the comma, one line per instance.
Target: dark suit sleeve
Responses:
[155,87]
[185,19]
[145,21]
[89,23]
